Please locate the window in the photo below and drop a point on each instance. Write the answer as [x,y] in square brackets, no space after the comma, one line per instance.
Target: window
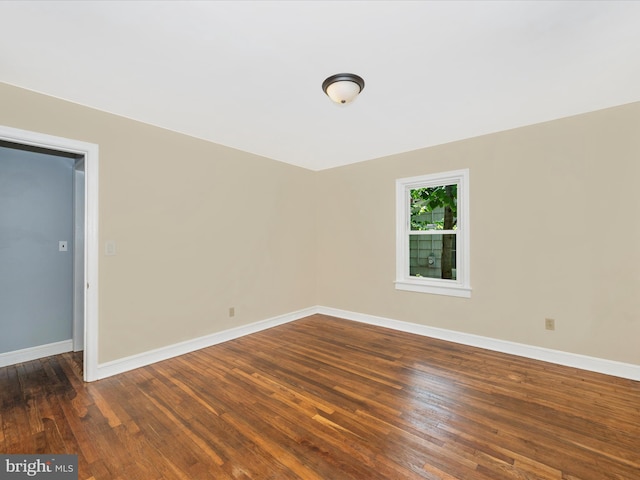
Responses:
[432,243]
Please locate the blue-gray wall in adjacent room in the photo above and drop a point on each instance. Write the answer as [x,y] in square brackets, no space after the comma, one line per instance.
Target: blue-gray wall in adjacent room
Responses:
[36,280]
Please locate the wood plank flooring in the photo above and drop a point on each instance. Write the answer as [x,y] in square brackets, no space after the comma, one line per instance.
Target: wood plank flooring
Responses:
[325,398]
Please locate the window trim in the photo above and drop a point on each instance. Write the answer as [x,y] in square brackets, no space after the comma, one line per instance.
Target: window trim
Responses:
[461,287]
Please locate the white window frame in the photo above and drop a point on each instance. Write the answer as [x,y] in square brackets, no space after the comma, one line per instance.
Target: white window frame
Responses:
[461,286]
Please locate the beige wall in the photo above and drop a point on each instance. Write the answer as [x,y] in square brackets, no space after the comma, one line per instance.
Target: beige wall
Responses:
[554,233]
[199,227]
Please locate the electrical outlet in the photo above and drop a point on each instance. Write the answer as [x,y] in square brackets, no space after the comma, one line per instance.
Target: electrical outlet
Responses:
[232,311]
[549,324]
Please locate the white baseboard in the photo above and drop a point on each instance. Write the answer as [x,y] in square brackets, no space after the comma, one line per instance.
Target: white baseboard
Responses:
[33,353]
[600,365]
[114,367]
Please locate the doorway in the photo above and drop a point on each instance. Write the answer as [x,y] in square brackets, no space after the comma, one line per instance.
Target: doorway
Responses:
[85,226]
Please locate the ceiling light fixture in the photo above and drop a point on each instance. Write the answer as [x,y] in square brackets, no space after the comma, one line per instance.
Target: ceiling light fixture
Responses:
[343,88]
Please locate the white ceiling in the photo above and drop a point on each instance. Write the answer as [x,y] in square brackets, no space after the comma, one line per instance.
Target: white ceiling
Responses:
[248,74]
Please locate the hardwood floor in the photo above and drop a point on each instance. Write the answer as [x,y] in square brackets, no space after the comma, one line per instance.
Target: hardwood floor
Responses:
[324,398]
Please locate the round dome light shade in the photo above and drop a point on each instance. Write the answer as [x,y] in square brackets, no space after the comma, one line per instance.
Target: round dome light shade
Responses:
[343,88]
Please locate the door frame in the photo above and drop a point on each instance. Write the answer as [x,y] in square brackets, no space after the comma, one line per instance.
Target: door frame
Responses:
[90,153]
[78,254]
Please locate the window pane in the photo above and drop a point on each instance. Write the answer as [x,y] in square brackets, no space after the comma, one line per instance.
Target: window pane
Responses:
[434,208]
[432,256]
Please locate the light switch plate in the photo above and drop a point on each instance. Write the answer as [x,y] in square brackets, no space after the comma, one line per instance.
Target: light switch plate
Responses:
[63,246]
[110,248]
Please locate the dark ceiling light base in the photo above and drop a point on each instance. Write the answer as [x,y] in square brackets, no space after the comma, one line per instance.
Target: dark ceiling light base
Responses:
[343,88]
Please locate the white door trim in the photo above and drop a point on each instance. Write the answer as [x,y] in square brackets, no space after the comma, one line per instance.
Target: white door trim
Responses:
[91,247]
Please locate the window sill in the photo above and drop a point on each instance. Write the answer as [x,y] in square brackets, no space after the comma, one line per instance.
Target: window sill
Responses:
[449,290]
